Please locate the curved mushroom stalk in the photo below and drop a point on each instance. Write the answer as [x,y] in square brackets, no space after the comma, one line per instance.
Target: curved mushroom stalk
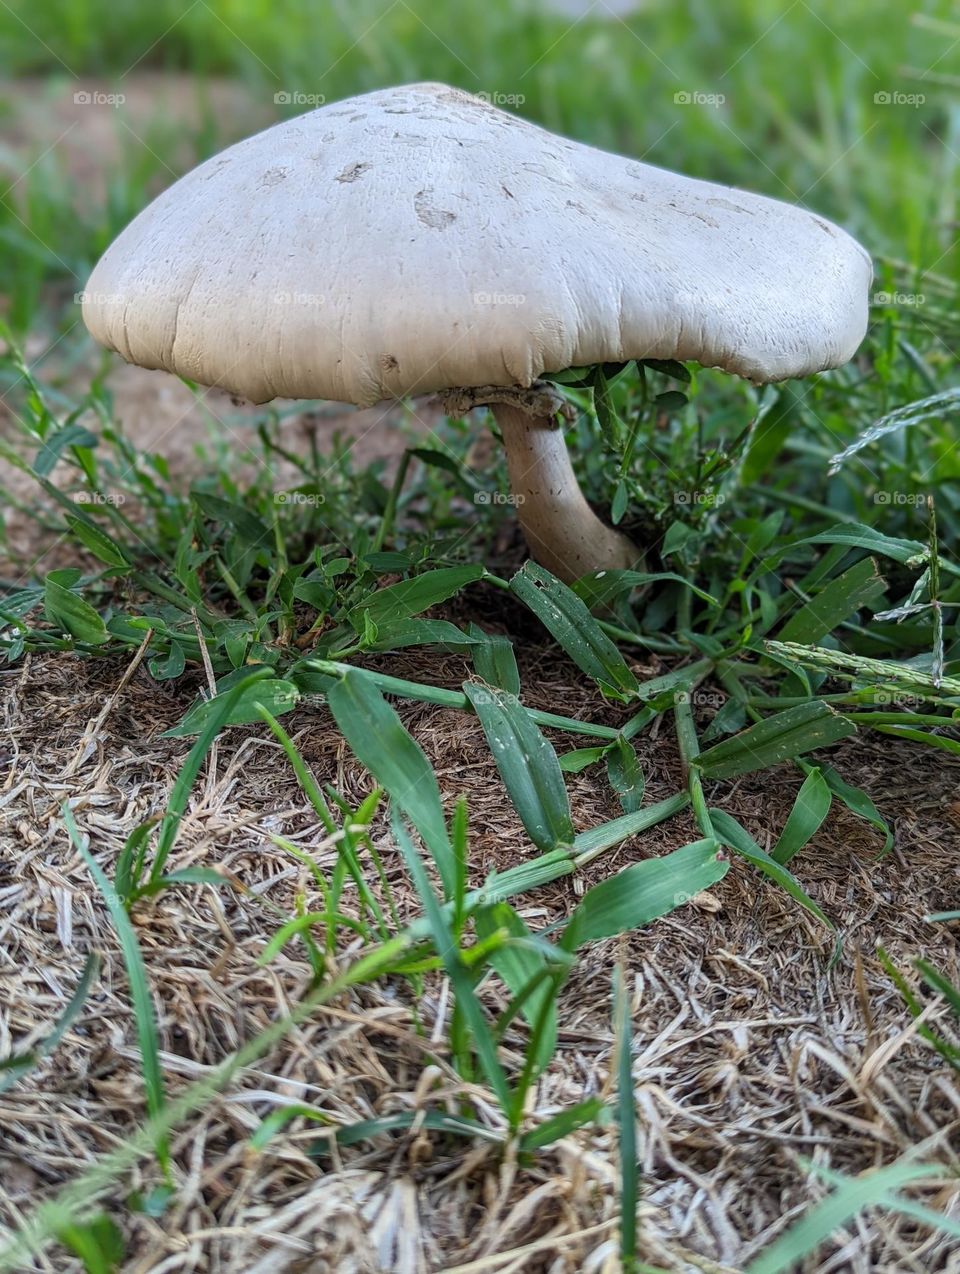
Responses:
[563,532]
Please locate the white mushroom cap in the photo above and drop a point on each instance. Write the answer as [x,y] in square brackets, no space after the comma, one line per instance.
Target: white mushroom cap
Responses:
[419,239]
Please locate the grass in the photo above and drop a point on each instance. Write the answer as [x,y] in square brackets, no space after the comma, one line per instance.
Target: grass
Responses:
[802,583]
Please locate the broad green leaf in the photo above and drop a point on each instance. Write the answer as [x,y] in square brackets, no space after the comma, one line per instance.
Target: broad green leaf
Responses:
[580,758]
[809,810]
[527,763]
[396,761]
[388,562]
[494,660]
[276,694]
[732,716]
[170,665]
[667,367]
[787,734]
[842,597]
[68,611]
[734,835]
[57,442]
[572,626]
[410,597]
[644,892]
[247,526]
[441,460]
[867,537]
[626,776]
[98,542]
[420,632]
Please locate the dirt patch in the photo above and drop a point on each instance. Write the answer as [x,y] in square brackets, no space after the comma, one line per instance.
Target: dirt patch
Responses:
[92,126]
[752,1054]
[159,414]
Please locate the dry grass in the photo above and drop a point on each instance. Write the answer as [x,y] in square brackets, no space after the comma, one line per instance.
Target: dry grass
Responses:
[751,1053]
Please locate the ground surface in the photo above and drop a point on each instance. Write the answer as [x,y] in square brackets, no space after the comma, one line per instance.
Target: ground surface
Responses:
[752,1054]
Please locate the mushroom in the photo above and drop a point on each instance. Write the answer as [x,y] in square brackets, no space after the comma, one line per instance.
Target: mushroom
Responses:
[419,239]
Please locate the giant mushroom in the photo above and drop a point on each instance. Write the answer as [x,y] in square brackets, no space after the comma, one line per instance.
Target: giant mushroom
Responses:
[419,239]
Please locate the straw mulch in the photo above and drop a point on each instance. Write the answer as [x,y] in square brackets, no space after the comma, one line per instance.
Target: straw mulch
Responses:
[753,1056]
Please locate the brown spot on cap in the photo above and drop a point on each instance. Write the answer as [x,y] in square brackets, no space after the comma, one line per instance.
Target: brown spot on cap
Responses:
[352,172]
[430,215]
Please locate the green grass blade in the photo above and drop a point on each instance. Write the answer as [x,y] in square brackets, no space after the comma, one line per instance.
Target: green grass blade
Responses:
[571,625]
[809,811]
[805,1237]
[594,841]
[527,763]
[459,975]
[858,802]
[404,689]
[180,794]
[383,746]
[412,596]
[842,597]
[644,892]
[14,1068]
[562,1125]
[778,738]
[139,985]
[734,835]
[626,1124]
[494,660]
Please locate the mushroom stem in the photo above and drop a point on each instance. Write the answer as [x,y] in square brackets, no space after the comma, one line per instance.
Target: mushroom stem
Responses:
[562,531]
